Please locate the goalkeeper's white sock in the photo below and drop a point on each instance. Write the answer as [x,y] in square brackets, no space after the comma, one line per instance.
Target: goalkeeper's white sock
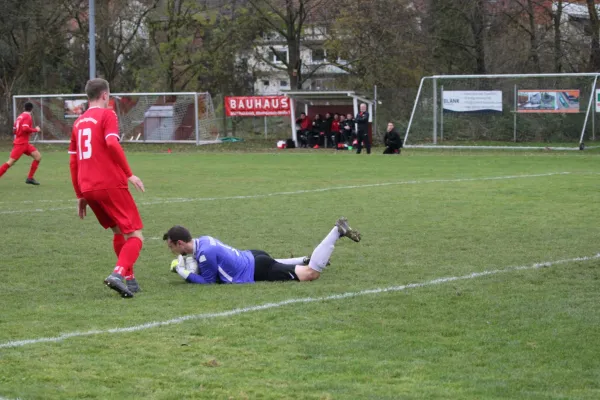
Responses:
[322,253]
[291,261]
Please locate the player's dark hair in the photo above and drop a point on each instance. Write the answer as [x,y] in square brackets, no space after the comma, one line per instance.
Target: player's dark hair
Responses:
[95,87]
[28,106]
[178,233]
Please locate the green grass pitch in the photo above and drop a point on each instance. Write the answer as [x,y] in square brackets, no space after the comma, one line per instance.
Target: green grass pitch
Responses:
[519,334]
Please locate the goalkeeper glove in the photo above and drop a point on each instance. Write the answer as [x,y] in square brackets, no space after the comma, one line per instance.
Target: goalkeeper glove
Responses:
[176,262]
[174,265]
[178,266]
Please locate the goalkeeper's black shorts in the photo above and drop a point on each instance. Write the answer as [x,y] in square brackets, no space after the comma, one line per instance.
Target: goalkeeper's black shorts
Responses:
[267,269]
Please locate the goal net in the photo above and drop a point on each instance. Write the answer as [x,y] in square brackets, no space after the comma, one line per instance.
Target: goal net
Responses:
[525,111]
[143,117]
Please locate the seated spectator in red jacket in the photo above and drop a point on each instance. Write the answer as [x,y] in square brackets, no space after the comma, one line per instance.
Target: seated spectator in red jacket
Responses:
[305,126]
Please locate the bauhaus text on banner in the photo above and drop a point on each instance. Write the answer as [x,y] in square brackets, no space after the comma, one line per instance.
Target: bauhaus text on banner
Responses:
[462,101]
[257,106]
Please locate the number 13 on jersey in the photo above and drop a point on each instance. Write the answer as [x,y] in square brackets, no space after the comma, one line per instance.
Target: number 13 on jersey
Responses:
[84,142]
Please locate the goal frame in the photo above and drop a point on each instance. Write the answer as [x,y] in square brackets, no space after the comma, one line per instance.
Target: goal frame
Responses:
[197,140]
[437,78]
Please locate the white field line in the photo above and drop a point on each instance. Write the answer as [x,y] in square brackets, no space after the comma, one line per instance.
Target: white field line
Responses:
[236,311]
[325,189]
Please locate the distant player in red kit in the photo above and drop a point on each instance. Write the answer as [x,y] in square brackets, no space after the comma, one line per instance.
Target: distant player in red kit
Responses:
[99,171]
[22,128]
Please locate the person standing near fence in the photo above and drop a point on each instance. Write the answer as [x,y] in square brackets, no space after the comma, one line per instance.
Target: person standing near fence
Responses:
[362,131]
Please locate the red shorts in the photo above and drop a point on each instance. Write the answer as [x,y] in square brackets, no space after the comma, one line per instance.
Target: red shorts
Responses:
[114,207]
[20,149]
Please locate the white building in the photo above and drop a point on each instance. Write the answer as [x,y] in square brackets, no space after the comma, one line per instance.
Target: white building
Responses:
[265,62]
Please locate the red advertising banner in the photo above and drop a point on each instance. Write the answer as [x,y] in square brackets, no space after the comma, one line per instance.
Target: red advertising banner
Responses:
[257,106]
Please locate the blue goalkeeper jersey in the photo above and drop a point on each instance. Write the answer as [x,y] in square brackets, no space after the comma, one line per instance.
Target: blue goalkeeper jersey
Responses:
[218,262]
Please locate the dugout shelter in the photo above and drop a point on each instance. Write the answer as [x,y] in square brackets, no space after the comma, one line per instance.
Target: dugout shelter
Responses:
[314,102]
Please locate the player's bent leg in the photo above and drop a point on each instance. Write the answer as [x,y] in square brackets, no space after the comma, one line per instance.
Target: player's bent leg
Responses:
[305,273]
[320,256]
[100,203]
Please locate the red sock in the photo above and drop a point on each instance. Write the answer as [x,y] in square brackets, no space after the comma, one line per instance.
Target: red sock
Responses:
[129,274]
[118,242]
[119,270]
[34,167]
[128,256]
[3,168]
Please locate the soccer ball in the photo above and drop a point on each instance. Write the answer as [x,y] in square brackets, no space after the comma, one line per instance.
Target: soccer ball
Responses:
[189,263]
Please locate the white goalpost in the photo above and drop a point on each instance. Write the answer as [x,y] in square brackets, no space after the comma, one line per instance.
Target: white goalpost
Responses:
[516,111]
[183,117]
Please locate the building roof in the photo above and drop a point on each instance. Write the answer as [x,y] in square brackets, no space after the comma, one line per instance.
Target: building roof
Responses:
[326,97]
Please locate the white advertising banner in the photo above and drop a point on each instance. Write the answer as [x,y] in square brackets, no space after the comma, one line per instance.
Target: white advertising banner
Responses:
[472,101]
[597,100]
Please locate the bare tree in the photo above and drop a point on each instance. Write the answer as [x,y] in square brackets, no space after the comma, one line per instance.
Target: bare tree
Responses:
[457,32]
[556,25]
[595,31]
[31,38]
[120,30]
[288,18]
[198,43]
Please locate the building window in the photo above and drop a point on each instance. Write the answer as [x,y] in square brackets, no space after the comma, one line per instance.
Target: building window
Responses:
[280,56]
[266,83]
[270,36]
[318,55]
[316,31]
[582,23]
[284,83]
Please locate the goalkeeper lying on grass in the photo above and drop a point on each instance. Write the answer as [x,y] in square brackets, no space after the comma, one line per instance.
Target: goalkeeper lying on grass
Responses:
[215,262]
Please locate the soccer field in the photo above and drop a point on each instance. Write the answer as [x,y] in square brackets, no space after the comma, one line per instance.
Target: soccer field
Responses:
[446,296]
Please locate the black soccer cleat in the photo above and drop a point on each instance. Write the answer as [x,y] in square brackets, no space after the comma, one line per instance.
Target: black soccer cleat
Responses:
[345,230]
[118,286]
[133,286]
[31,181]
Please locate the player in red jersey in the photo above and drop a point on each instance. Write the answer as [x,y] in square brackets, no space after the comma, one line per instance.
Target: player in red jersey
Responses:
[22,128]
[100,172]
